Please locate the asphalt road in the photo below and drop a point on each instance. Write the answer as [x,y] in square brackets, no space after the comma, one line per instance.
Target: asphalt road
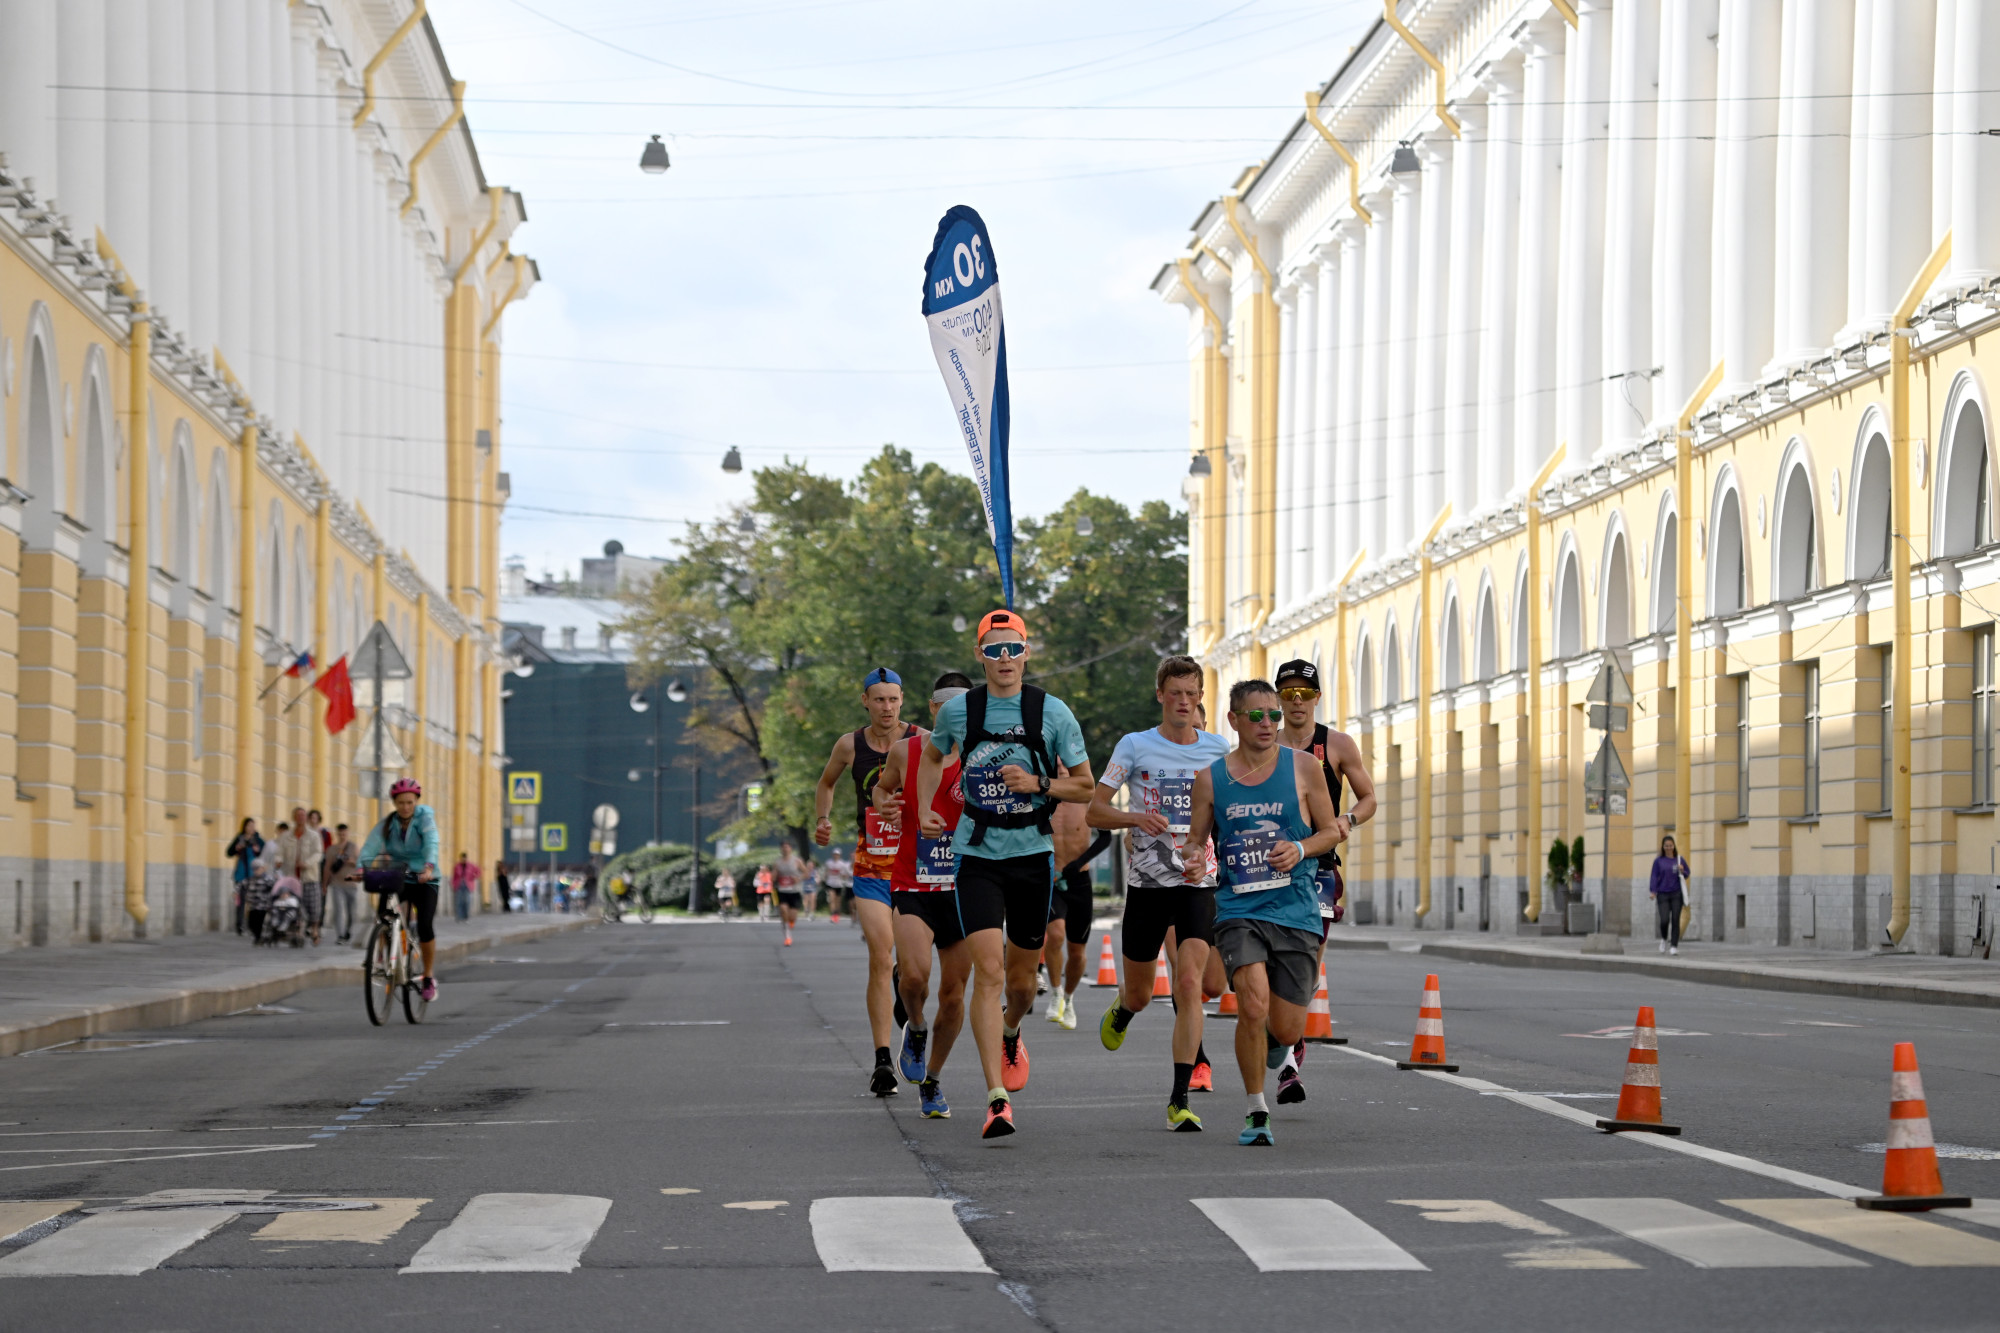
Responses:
[674,1099]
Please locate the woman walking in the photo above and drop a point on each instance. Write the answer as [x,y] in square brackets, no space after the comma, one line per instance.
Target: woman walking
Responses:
[1670,872]
[245,848]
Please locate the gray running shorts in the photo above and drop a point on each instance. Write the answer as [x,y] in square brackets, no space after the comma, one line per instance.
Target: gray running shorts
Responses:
[1290,956]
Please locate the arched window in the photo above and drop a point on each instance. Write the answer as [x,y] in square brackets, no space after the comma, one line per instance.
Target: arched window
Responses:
[1454,651]
[180,533]
[1798,537]
[1667,574]
[1868,491]
[274,574]
[302,577]
[44,462]
[1486,661]
[1729,590]
[1615,595]
[1967,523]
[1392,668]
[1522,657]
[97,477]
[215,560]
[1569,609]
[1364,677]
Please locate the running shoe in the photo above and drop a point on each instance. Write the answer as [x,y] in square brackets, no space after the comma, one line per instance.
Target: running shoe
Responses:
[901,1014]
[1257,1131]
[788,939]
[1111,1028]
[934,1104]
[1299,1053]
[1203,1078]
[1181,1120]
[912,1058]
[1042,979]
[1056,1008]
[1069,1013]
[1290,1089]
[1013,1063]
[999,1119]
[428,989]
[883,1081]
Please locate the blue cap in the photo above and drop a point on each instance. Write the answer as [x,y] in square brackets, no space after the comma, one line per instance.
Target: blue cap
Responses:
[881,676]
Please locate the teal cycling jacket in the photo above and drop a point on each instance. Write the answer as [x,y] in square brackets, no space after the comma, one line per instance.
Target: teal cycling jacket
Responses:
[412,847]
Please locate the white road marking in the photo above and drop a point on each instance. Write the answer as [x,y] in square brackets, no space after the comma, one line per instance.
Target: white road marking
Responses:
[362,1228]
[1699,1237]
[1899,1236]
[1556,1254]
[514,1233]
[166,1157]
[1306,1236]
[759,1205]
[1986,1212]
[114,1244]
[1944,1150]
[892,1235]
[17,1216]
[679,1189]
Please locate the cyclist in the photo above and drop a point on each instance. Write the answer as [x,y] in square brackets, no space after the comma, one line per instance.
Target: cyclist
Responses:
[407,838]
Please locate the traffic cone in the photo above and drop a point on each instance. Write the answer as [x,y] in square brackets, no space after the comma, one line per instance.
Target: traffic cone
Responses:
[1910,1181]
[1319,1017]
[1639,1095]
[1427,1047]
[1107,967]
[1163,986]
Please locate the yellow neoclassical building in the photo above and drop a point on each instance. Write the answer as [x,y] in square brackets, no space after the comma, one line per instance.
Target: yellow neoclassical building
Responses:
[1663,334]
[251,288]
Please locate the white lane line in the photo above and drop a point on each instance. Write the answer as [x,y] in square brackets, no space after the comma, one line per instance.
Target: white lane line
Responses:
[114,1244]
[1840,1189]
[1306,1236]
[1699,1237]
[167,1157]
[1899,1236]
[1986,1212]
[514,1233]
[892,1235]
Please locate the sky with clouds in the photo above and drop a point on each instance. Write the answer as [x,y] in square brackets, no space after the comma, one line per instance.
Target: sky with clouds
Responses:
[763,293]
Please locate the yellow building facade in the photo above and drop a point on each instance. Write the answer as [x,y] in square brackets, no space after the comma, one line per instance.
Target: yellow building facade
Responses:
[1533,347]
[251,290]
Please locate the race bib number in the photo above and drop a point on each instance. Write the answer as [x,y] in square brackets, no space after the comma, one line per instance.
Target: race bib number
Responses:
[877,839]
[985,788]
[1326,882]
[937,863]
[1245,859]
[1177,803]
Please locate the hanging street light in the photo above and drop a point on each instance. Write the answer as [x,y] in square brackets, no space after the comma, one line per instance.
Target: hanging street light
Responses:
[1200,467]
[1084,527]
[676,691]
[1405,162]
[654,160]
[732,462]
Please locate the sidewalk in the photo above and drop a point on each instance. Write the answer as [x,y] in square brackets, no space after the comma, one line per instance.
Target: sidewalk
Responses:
[49,996]
[1920,978]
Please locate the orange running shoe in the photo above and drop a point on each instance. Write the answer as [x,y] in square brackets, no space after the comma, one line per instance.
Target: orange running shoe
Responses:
[1203,1078]
[788,939]
[999,1119]
[1013,1063]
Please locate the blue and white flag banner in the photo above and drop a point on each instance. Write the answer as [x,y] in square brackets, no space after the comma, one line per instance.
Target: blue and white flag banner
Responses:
[962,307]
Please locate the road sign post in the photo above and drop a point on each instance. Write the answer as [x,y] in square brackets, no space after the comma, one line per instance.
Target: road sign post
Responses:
[1605,782]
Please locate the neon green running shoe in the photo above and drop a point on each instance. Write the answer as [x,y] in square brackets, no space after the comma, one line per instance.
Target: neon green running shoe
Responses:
[1181,1120]
[1111,1028]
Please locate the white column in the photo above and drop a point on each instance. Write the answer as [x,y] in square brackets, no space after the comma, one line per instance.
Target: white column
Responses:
[1897,235]
[28,52]
[1459,428]
[1347,508]
[1535,370]
[1324,535]
[256,191]
[1500,236]
[287,205]
[1372,497]
[168,78]
[1586,113]
[1943,87]
[1399,463]
[308,230]
[203,183]
[1746,203]
[1305,429]
[1682,235]
[1435,279]
[1287,498]
[1975,162]
[1812,176]
[80,105]
[1626,402]
[127,142]
[232,114]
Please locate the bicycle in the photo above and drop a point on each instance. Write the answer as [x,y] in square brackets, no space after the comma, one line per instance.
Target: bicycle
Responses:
[385,967]
[627,898]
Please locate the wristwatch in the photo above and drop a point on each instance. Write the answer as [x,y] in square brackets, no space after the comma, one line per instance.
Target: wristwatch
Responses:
[1045,786]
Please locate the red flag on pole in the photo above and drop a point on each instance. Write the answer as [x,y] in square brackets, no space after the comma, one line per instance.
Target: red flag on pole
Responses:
[339,692]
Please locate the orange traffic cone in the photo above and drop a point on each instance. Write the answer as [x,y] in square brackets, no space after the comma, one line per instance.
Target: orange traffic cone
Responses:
[1163,967]
[1639,1095]
[1319,1016]
[1910,1180]
[1427,1047]
[1107,967]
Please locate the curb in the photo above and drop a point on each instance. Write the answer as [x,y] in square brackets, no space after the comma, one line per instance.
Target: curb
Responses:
[1710,974]
[196,1003]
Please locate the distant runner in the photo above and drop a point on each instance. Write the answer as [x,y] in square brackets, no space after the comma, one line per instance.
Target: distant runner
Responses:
[1063,951]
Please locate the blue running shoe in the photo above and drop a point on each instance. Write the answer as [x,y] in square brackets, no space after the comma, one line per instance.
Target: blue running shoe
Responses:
[1256,1130]
[912,1058]
[935,1107]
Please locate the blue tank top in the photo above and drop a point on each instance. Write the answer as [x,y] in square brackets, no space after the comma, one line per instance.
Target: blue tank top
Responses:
[1249,822]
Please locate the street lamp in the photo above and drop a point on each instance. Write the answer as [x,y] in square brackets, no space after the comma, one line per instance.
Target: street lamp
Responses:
[732,462]
[1200,467]
[1084,527]
[676,691]
[653,161]
[1405,162]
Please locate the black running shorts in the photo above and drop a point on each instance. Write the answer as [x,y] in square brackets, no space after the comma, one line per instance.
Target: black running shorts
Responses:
[791,898]
[1150,911]
[939,911]
[1013,891]
[1073,905]
[423,899]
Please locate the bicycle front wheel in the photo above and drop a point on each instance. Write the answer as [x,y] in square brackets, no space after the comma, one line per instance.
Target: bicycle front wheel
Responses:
[643,908]
[415,1006]
[378,973]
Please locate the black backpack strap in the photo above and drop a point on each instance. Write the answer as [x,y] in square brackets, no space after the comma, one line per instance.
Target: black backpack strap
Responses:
[1038,760]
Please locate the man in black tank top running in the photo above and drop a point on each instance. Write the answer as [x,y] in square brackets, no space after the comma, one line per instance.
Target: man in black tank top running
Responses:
[1340,759]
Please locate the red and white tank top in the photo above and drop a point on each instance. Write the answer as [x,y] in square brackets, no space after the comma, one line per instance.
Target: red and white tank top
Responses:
[927,865]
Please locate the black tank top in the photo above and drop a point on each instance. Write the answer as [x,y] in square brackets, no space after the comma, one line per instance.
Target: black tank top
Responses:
[867,767]
[1320,745]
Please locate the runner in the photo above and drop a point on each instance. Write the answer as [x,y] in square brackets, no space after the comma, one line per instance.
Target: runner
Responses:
[924,893]
[859,754]
[1010,736]
[1269,810]
[785,877]
[765,887]
[1158,769]
[838,877]
[1340,759]
[1062,953]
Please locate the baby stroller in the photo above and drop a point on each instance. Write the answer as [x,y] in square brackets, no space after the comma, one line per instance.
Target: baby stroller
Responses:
[285,918]
[256,905]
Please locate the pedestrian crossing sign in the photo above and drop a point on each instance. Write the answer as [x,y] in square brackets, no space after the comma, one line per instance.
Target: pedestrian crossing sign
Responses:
[524,789]
[555,837]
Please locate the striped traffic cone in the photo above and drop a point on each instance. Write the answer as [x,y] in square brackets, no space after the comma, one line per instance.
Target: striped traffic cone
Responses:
[1107,967]
[1319,1016]
[1639,1095]
[1910,1180]
[1427,1047]
[1163,986]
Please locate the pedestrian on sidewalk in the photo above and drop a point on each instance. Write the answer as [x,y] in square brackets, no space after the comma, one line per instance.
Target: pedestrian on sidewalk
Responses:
[1669,886]
[343,867]
[300,855]
[464,882]
[244,848]
[266,872]
[503,886]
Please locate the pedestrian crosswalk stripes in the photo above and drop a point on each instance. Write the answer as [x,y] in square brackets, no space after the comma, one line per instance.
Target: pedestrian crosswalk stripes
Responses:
[552,1233]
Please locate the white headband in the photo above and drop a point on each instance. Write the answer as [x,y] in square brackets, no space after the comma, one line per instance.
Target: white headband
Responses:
[948,693]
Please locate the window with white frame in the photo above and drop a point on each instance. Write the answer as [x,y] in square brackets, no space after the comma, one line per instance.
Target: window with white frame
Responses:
[1810,781]
[1982,716]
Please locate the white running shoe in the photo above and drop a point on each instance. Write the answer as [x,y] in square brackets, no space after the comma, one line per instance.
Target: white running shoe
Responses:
[1663,946]
[1056,1007]
[1675,951]
[1069,1014]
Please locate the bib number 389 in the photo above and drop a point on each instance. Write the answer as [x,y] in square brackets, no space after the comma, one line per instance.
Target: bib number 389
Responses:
[985,788]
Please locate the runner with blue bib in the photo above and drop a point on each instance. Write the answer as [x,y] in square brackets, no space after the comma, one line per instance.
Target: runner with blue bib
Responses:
[1270,814]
